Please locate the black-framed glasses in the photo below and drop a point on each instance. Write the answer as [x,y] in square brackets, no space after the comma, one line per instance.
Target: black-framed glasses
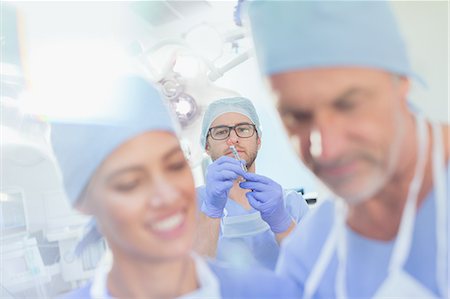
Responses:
[243,130]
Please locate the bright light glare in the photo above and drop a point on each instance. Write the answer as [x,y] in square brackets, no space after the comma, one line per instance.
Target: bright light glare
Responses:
[72,79]
[316,143]
[4,197]
[183,108]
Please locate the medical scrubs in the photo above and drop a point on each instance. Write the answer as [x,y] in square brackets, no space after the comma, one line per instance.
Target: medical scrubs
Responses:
[252,248]
[367,259]
[233,284]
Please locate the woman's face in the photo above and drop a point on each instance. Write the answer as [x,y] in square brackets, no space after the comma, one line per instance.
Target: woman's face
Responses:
[143,197]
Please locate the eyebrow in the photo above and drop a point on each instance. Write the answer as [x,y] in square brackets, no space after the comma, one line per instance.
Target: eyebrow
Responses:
[226,126]
[176,149]
[348,93]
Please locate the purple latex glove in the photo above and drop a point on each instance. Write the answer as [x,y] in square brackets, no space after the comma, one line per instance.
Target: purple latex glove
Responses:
[267,197]
[220,176]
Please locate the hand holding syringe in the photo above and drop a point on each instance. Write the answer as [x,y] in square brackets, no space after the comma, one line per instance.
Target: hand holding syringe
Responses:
[236,155]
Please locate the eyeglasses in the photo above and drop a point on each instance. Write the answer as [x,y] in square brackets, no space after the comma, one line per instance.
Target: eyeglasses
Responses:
[243,130]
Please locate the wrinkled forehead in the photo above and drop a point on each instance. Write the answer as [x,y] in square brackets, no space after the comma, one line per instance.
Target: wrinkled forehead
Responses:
[230,119]
[310,87]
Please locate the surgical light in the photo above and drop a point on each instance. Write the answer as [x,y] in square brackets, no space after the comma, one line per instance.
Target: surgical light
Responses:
[183,104]
[171,88]
[185,108]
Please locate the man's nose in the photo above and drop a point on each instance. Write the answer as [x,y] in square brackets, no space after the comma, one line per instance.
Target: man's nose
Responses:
[233,138]
[327,139]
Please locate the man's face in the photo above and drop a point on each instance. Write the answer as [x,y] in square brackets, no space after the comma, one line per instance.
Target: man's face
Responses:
[246,147]
[348,123]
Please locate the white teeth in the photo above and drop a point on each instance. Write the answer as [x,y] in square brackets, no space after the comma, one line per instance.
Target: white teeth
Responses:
[169,223]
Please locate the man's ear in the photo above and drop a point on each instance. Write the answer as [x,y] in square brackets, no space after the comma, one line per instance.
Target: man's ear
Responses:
[258,141]
[207,148]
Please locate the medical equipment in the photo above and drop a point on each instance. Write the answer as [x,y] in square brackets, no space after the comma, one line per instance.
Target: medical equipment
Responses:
[236,155]
[183,104]
[185,66]
[13,221]
[35,218]
[22,267]
[22,264]
[60,219]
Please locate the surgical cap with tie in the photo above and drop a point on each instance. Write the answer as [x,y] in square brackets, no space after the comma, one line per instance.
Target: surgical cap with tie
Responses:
[80,146]
[296,35]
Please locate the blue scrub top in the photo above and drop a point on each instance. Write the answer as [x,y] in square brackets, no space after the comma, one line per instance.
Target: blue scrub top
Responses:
[367,259]
[259,250]
[234,284]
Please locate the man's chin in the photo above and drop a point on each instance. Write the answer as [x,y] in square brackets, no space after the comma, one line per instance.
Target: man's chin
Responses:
[354,195]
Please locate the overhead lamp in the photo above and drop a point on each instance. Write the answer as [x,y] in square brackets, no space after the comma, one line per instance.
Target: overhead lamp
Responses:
[183,104]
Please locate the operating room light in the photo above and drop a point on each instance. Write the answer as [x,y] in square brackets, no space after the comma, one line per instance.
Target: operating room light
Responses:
[171,88]
[185,108]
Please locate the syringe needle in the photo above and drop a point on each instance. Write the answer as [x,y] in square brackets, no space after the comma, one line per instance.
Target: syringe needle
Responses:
[236,155]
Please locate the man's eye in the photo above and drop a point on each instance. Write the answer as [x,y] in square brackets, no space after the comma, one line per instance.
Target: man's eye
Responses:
[297,117]
[243,129]
[344,105]
[221,132]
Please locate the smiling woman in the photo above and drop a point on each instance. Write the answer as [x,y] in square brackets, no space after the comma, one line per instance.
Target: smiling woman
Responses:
[131,175]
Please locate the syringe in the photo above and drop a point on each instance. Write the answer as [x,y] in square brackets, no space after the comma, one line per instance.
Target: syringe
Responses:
[236,155]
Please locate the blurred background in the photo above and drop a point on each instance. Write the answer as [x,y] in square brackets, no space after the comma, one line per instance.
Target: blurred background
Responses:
[54,55]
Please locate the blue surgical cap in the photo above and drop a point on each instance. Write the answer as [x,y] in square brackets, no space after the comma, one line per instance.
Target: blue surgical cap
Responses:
[238,105]
[295,35]
[80,146]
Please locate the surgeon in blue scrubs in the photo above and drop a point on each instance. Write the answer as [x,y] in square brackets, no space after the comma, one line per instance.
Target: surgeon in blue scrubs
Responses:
[246,214]
[128,171]
[341,74]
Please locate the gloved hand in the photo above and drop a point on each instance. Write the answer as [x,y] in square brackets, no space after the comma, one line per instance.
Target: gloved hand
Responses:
[219,180]
[267,197]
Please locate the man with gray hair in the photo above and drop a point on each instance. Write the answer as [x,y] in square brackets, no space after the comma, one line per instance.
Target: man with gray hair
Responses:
[341,74]
[246,214]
